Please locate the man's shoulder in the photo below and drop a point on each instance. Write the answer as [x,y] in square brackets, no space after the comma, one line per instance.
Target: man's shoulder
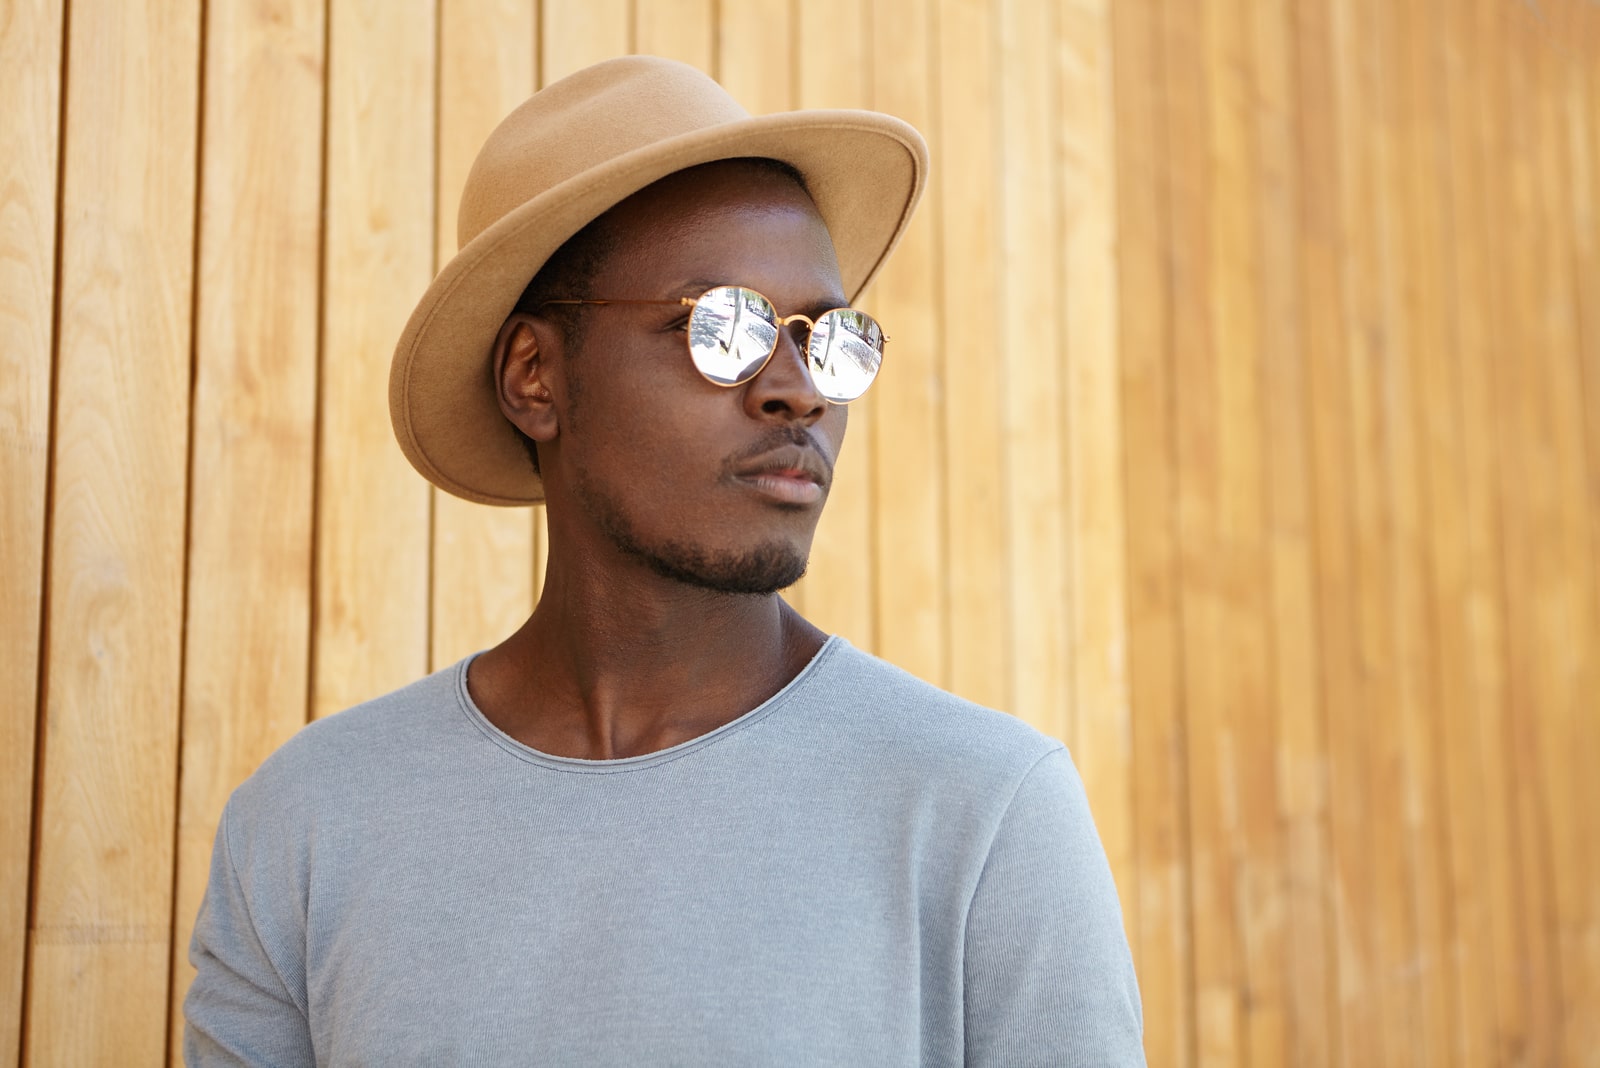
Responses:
[353,748]
[885,707]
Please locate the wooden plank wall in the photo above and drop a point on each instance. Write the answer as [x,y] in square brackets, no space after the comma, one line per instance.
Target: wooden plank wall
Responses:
[1242,428]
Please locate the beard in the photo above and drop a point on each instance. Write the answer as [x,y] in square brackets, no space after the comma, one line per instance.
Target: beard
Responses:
[764,569]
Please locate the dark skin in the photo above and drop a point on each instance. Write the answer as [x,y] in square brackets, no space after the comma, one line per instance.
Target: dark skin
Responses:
[645,461]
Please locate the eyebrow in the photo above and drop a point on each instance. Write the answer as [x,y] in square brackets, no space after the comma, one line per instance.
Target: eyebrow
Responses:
[697,286]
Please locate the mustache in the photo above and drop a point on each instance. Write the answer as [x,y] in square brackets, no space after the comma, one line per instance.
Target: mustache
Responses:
[779,437]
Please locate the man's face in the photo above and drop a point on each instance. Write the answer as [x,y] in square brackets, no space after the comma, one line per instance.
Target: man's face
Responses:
[714,486]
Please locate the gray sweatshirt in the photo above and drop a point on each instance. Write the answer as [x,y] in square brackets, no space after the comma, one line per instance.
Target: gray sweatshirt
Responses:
[864,870]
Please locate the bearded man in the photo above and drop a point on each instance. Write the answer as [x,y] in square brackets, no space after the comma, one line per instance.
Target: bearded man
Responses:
[668,821]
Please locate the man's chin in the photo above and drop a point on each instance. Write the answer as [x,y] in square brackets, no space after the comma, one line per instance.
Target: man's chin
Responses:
[763,570]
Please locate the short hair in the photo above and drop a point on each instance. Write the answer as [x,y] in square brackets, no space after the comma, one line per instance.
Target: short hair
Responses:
[571,270]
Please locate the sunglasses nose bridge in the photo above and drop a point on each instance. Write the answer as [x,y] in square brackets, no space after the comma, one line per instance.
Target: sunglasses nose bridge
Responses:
[779,368]
[801,339]
[797,340]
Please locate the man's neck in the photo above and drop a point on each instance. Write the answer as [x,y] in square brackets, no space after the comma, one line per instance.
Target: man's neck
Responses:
[617,664]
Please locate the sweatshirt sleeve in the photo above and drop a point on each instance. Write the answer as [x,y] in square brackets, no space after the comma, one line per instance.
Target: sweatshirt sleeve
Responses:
[1049,978]
[246,1005]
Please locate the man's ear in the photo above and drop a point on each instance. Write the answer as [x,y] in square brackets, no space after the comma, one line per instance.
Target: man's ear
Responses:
[524,361]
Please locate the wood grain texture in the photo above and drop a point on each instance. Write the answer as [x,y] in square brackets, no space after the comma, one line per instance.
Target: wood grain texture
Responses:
[1467,582]
[1565,617]
[755,61]
[966,195]
[908,448]
[1159,907]
[1374,352]
[1321,288]
[30,122]
[1583,118]
[1465,970]
[372,508]
[1293,635]
[1242,429]
[1101,732]
[250,537]
[1367,765]
[1030,362]
[483,557]
[1411,245]
[1231,664]
[1204,614]
[678,29]
[574,35]
[1525,459]
[1480,313]
[1318,302]
[101,927]
[1579,95]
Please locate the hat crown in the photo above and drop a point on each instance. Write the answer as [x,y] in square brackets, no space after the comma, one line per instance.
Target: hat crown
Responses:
[585,120]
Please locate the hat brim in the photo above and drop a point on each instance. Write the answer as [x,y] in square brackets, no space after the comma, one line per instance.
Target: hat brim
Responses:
[865,172]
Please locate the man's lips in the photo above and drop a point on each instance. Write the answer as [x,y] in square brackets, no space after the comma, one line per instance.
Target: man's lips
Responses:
[791,474]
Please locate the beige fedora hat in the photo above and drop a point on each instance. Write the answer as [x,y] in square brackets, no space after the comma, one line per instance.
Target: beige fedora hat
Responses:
[570,152]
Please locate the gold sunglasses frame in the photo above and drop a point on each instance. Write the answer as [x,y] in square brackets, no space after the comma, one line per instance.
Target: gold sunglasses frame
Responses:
[783,321]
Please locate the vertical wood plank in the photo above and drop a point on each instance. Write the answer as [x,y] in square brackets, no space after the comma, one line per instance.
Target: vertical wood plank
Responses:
[250,535]
[1203,611]
[1318,470]
[1092,406]
[1411,246]
[1580,116]
[1450,242]
[1477,171]
[483,557]
[837,593]
[966,193]
[1035,505]
[372,508]
[1224,561]
[1321,249]
[30,84]
[574,35]
[1162,938]
[678,29]
[1291,611]
[1372,349]
[103,906]
[909,395]
[754,59]
[1565,615]
[1523,473]
[1583,116]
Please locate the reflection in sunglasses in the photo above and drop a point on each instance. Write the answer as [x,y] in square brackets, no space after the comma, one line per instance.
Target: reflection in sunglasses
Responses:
[733,331]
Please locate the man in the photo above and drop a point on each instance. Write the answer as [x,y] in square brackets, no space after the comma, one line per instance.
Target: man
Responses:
[668,821]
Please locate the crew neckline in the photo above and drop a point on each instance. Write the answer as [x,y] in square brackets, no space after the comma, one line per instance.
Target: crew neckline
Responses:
[583,766]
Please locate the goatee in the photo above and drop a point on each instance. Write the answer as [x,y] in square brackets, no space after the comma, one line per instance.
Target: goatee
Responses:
[764,569]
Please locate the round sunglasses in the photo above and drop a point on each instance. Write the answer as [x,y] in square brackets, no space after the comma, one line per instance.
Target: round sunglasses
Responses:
[733,332]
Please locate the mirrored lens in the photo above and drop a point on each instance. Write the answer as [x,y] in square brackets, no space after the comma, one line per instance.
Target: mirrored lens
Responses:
[731,333]
[846,351]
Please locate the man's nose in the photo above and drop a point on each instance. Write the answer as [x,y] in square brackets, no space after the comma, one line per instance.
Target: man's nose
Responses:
[784,388]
